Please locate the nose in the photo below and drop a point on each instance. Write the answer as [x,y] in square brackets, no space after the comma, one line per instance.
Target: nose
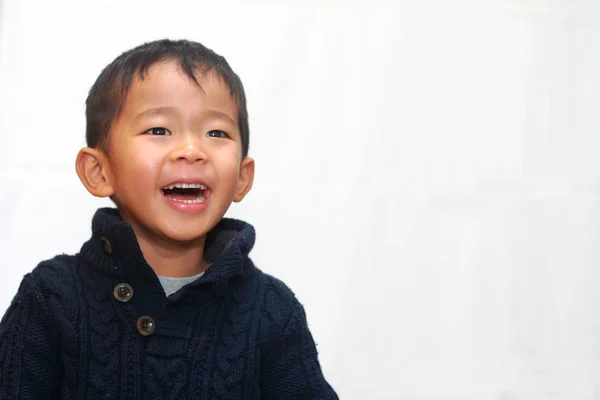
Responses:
[188,149]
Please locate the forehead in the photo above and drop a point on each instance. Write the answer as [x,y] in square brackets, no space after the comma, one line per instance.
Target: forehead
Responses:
[166,84]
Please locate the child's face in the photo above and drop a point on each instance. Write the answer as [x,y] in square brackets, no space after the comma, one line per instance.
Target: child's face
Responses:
[172,132]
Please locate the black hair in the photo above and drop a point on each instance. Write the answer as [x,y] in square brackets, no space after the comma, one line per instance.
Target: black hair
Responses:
[106,96]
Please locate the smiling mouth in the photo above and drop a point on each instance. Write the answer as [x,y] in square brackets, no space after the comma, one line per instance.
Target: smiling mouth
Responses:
[191,193]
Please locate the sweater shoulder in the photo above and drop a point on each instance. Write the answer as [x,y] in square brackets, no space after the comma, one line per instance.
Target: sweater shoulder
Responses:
[55,276]
[283,292]
[278,302]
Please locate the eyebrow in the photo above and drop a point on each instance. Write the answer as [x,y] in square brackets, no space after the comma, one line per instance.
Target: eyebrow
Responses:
[220,114]
[150,112]
[155,111]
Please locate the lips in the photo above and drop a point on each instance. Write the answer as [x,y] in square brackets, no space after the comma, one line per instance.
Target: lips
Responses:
[190,193]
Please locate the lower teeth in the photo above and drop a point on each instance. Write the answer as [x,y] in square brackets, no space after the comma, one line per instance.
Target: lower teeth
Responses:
[197,200]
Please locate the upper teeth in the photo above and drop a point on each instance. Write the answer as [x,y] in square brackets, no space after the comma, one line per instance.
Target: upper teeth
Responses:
[186,186]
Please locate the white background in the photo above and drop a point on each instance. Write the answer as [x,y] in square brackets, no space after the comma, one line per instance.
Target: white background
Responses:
[428,174]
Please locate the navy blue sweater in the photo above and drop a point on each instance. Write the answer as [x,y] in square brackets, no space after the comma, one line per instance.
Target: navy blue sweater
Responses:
[98,325]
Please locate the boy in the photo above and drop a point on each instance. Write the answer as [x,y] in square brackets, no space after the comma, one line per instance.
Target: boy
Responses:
[162,302]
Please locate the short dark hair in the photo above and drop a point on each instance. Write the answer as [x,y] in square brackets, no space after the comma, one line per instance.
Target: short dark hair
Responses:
[106,96]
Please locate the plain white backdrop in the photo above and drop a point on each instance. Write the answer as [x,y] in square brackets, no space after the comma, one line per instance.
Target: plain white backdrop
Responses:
[428,174]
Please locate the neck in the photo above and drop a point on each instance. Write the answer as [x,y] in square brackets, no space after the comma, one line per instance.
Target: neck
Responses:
[174,261]
[168,258]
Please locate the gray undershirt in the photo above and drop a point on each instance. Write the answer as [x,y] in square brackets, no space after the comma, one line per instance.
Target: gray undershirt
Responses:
[171,285]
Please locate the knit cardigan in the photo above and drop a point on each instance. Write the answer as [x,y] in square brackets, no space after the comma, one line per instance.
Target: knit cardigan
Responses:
[97,325]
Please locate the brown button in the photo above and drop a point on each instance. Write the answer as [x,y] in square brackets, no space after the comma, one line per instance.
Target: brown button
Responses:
[145,325]
[123,292]
[106,245]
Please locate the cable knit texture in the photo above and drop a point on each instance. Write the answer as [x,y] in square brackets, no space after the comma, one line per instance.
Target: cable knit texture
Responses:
[235,333]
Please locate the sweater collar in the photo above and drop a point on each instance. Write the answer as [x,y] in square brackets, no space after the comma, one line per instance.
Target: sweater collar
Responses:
[114,250]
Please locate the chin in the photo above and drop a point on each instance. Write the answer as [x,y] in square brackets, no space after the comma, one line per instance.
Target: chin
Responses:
[184,235]
[187,232]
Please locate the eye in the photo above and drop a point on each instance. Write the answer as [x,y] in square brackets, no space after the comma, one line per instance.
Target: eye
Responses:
[216,134]
[157,131]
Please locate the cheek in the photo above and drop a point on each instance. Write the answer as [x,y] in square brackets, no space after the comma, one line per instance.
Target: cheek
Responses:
[228,168]
[138,168]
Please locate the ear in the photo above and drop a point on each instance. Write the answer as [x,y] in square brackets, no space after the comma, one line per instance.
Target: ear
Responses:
[92,169]
[245,180]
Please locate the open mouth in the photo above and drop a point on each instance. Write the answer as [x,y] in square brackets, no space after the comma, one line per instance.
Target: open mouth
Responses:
[191,193]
